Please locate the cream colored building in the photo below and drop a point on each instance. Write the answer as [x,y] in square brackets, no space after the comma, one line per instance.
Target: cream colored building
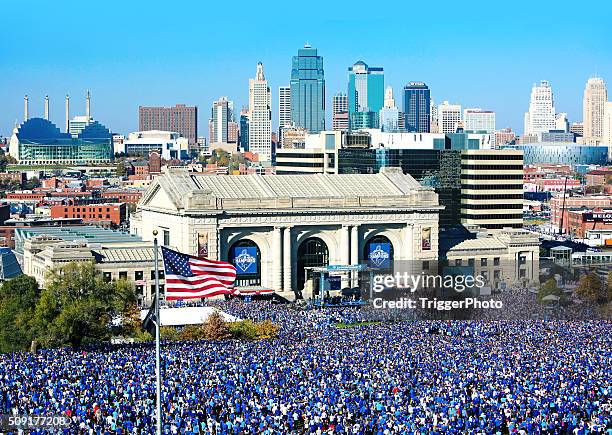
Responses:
[607,123]
[287,224]
[133,262]
[492,188]
[595,98]
[509,256]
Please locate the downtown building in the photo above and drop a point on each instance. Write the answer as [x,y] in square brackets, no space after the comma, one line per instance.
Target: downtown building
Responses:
[308,90]
[389,116]
[417,108]
[284,109]
[180,118]
[541,117]
[593,107]
[366,87]
[492,188]
[260,116]
[433,159]
[449,117]
[340,114]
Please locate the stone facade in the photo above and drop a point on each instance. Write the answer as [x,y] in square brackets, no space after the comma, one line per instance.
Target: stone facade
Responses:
[280,213]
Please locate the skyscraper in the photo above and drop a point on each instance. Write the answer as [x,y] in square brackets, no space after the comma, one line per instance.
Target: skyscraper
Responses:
[180,119]
[541,115]
[607,123]
[260,116]
[561,122]
[449,116]
[244,129]
[308,90]
[479,120]
[417,107]
[340,112]
[284,107]
[389,113]
[595,97]
[366,87]
[221,116]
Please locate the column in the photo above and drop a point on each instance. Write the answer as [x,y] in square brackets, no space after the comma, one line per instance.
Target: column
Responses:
[409,254]
[355,244]
[355,253]
[345,253]
[277,256]
[287,269]
[344,245]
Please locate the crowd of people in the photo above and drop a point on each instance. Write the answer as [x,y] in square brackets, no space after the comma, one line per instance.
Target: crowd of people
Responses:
[380,377]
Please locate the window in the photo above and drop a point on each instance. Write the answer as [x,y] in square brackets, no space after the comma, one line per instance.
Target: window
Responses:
[166,237]
[471,262]
[161,274]
[106,276]
[496,261]
[458,262]
[496,274]
[425,265]
[522,273]
[138,275]
[522,260]
[123,275]
[483,262]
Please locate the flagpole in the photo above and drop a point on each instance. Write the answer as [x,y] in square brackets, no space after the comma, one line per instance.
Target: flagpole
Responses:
[157,337]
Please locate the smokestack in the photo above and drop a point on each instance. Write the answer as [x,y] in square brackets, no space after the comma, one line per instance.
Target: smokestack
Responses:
[67,113]
[26,111]
[88,107]
[47,107]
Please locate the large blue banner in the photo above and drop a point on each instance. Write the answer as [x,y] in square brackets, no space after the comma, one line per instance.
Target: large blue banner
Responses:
[379,255]
[245,260]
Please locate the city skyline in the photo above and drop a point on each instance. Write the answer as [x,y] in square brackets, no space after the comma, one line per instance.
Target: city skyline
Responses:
[122,74]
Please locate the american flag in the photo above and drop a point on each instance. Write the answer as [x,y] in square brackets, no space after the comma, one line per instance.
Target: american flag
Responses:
[189,277]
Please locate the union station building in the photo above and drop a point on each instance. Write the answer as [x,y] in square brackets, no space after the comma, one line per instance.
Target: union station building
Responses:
[274,228]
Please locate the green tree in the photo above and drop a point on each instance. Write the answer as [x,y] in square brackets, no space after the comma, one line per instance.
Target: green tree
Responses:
[79,306]
[549,288]
[590,287]
[18,299]
[121,171]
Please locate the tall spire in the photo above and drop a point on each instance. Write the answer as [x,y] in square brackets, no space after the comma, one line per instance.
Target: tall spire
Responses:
[67,113]
[47,107]
[260,72]
[88,106]
[26,108]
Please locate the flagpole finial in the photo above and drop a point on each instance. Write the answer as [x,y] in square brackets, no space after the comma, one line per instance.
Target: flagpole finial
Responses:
[155,232]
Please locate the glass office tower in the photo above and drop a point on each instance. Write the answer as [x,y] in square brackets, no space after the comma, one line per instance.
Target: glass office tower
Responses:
[366,94]
[308,90]
[417,107]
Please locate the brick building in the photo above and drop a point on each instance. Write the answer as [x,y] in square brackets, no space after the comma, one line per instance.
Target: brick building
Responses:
[180,118]
[575,202]
[128,196]
[109,214]
[580,221]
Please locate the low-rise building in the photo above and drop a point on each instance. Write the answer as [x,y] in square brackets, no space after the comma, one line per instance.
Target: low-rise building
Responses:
[508,256]
[108,214]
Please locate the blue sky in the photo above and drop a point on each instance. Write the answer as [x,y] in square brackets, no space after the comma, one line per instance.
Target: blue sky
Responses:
[477,53]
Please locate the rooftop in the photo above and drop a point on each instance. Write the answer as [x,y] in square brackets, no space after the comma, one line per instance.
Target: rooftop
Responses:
[390,186]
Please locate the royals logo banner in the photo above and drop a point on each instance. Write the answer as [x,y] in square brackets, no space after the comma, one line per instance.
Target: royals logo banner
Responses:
[245,260]
[380,255]
[426,239]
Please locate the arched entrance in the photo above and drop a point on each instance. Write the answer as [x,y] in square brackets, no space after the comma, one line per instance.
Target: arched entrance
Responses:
[378,251]
[245,255]
[313,252]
